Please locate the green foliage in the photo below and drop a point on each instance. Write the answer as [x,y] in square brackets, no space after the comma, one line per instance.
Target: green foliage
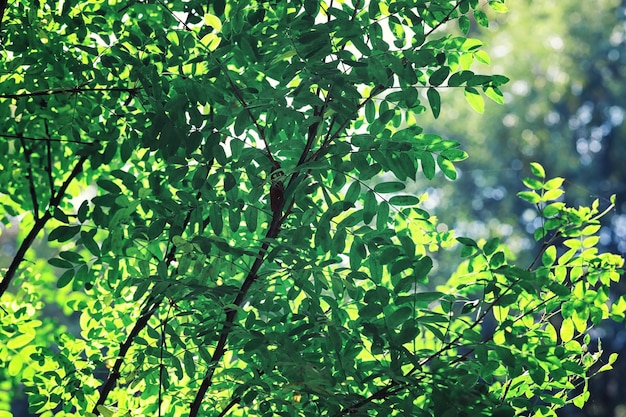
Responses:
[226,191]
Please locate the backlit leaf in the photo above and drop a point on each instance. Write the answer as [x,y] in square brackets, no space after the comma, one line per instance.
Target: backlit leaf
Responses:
[475,100]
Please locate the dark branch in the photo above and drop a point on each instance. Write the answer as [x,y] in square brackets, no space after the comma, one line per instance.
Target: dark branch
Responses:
[73,90]
[38,226]
[244,104]
[231,313]
[233,402]
[272,233]
[121,355]
[152,304]
[6,135]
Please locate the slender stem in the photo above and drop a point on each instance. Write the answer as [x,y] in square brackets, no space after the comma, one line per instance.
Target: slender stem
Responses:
[6,135]
[73,90]
[152,304]
[38,226]
[31,180]
[245,106]
[121,355]
[233,402]
[231,313]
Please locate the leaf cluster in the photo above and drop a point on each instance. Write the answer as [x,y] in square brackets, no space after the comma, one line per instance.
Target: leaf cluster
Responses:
[197,295]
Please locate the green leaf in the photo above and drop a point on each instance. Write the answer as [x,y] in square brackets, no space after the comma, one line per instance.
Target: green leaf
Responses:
[339,241]
[400,264]
[537,170]
[60,216]
[229,181]
[458,78]
[497,260]
[60,263]
[435,101]
[251,218]
[109,186]
[389,187]
[382,215]
[353,193]
[447,167]
[369,311]
[481,18]
[63,233]
[567,330]
[83,211]
[428,165]
[530,196]
[156,228]
[199,177]
[428,297]
[475,100]
[495,94]
[215,217]
[398,317]
[465,241]
[483,57]
[65,278]
[422,267]
[106,411]
[439,76]
[553,183]
[322,236]
[552,195]
[404,200]
[87,239]
[498,6]
[491,246]
[464,24]
[369,207]
[549,256]
[370,111]
[26,335]
[241,122]
[532,183]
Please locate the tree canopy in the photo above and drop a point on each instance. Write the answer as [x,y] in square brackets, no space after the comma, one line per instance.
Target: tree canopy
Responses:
[221,197]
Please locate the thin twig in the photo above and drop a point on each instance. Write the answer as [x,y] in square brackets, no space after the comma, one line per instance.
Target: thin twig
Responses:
[73,90]
[6,135]
[244,104]
[49,167]
[55,200]
[233,402]
[152,304]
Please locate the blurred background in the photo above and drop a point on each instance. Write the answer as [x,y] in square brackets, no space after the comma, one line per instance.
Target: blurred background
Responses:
[564,108]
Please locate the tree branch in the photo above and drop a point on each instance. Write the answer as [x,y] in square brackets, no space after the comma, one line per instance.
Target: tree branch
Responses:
[6,135]
[245,106]
[152,304]
[231,313]
[73,90]
[121,355]
[272,233]
[233,402]
[38,226]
